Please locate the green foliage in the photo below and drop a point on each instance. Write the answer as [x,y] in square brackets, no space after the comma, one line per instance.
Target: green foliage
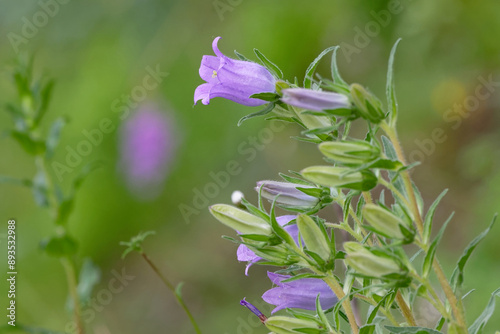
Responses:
[135,243]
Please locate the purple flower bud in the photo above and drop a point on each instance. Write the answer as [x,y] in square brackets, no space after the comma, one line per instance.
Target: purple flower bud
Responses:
[146,149]
[254,310]
[245,254]
[300,293]
[232,79]
[287,193]
[315,100]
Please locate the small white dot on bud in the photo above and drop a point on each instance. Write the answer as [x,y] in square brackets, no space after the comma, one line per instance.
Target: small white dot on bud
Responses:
[236,197]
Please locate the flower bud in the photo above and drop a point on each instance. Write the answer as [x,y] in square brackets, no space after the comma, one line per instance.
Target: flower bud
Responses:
[367,104]
[313,237]
[340,177]
[350,152]
[317,100]
[287,193]
[385,222]
[287,325]
[368,264]
[239,220]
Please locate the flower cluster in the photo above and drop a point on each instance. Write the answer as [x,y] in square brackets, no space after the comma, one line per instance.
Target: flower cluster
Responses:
[371,263]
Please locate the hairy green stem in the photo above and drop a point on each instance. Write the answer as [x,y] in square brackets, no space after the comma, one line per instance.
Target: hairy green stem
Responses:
[405,310]
[452,299]
[346,304]
[171,287]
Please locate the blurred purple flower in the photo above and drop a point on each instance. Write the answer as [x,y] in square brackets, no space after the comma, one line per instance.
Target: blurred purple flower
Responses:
[245,254]
[300,293]
[146,150]
[232,79]
[314,99]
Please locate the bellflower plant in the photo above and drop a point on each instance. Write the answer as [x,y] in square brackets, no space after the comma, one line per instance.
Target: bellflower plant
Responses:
[326,280]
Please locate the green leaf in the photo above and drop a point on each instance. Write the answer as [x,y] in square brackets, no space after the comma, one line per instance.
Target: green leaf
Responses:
[53,136]
[312,67]
[270,97]
[60,246]
[430,216]
[267,109]
[478,325]
[178,290]
[429,257]
[390,91]
[335,71]
[64,211]
[412,330]
[295,180]
[277,229]
[90,275]
[240,56]
[44,99]
[269,64]
[390,152]
[30,145]
[12,180]
[135,243]
[457,278]
[367,329]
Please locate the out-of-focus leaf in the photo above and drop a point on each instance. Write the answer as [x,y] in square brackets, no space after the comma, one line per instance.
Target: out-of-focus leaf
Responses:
[53,136]
[60,246]
[478,325]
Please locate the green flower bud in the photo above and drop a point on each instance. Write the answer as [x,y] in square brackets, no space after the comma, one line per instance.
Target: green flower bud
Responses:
[239,220]
[368,106]
[350,152]
[385,222]
[313,237]
[340,177]
[287,325]
[368,264]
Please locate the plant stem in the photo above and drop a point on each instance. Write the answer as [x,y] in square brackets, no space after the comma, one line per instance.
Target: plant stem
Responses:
[388,314]
[346,304]
[405,310]
[171,287]
[452,299]
[73,292]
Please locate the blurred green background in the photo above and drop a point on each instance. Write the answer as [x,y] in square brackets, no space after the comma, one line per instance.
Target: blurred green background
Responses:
[99,50]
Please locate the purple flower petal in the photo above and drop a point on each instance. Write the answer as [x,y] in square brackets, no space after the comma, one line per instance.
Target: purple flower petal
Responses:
[314,99]
[235,80]
[300,293]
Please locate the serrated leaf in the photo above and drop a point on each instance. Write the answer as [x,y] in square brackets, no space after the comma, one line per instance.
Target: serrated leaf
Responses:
[392,103]
[478,325]
[337,79]
[240,56]
[272,67]
[267,109]
[429,257]
[430,216]
[312,67]
[457,277]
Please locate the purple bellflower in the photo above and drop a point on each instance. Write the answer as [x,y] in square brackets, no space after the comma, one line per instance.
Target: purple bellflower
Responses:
[245,254]
[146,150]
[315,100]
[300,293]
[232,79]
